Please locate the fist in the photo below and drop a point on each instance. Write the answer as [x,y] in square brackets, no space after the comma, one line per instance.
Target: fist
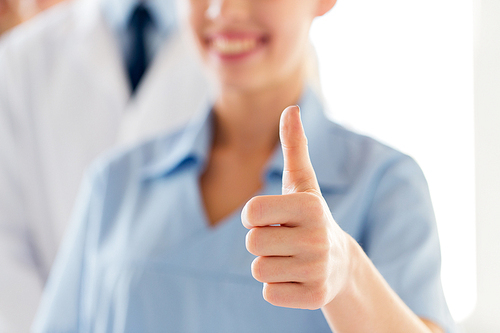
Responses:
[302,254]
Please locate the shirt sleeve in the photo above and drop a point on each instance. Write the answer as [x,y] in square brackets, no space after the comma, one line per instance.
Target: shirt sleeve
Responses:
[61,307]
[402,241]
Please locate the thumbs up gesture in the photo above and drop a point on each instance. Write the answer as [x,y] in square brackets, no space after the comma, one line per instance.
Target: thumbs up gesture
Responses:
[302,254]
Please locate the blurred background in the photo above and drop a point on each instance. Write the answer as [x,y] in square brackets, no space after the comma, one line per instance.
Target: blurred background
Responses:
[402,72]
[423,77]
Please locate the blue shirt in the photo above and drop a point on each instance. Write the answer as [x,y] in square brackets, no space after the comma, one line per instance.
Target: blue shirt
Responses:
[141,256]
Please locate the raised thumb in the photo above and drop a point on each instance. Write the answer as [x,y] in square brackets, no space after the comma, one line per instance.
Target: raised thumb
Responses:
[298,173]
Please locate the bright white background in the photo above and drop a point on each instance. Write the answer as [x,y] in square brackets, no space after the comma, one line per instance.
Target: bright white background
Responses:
[402,72]
[486,316]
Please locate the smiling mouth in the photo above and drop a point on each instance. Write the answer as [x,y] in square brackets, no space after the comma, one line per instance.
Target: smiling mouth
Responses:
[231,46]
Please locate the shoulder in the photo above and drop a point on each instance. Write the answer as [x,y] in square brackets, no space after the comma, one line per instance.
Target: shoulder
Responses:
[349,159]
[50,25]
[115,179]
[359,144]
[31,52]
[385,186]
[41,41]
[125,164]
[366,151]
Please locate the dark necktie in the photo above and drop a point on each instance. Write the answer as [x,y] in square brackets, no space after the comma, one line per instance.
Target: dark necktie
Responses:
[137,63]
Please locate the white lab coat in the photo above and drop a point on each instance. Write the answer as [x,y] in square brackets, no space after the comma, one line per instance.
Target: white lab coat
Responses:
[64,99]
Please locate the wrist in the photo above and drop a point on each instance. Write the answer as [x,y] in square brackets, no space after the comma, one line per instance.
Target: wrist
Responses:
[350,297]
[356,259]
[366,303]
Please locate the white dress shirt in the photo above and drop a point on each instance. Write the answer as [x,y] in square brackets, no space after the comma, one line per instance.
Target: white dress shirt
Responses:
[64,99]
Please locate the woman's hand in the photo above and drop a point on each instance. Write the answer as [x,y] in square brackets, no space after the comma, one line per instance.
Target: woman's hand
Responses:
[303,255]
[305,260]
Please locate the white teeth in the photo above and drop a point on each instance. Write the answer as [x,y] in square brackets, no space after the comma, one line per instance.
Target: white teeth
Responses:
[233,46]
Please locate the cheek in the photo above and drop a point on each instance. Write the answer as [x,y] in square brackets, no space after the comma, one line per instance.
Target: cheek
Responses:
[196,20]
[290,41]
[290,27]
[195,13]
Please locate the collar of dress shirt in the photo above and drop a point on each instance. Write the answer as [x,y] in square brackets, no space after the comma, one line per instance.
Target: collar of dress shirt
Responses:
[117,13]
[190,144]
[327,148]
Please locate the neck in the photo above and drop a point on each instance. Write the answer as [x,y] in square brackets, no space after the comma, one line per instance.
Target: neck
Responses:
[249,121]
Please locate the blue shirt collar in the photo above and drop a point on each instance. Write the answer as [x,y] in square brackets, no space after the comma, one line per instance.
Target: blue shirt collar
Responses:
[191,144]
[327,157]
[117,13]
